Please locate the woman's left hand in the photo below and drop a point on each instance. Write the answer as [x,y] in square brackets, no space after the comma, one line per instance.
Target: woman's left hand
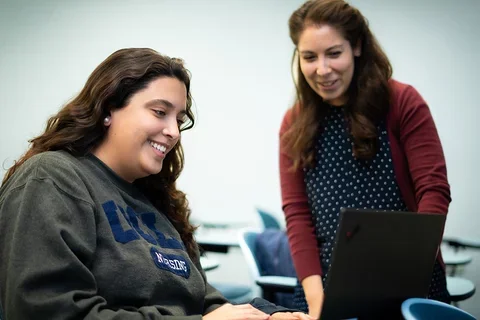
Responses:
[290,316]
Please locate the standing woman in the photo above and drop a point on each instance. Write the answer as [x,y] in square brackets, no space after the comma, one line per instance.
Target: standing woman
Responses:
[354,138]
[92,225]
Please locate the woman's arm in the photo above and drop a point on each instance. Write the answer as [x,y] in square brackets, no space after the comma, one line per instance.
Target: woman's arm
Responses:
[300,229]
[313,288]
[214,300]
[424,153]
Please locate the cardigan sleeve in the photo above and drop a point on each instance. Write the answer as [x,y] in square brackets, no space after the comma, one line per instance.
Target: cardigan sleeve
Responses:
[300,229]
[423,151]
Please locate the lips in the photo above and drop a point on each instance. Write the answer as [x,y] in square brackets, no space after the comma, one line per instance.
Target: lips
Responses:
[159,146]
[327,83]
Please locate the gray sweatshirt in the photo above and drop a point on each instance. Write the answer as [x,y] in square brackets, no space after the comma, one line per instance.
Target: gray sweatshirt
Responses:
[78,242]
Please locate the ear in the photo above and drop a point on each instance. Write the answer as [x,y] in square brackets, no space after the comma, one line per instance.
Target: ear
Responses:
[357,51]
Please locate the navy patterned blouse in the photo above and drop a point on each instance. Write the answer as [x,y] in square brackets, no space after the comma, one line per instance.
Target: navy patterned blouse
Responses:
[340,180]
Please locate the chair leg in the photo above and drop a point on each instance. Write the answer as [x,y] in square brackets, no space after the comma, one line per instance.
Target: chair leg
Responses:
[453,271]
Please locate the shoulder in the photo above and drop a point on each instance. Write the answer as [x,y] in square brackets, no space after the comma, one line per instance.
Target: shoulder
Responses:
[403,95]
[288,119]
[57,167]
[53,165]
[404,99]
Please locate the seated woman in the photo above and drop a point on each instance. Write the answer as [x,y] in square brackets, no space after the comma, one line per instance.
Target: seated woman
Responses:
[92,225]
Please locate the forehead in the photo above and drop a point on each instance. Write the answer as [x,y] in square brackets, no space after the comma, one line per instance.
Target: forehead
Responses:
[319,38]
[164,88]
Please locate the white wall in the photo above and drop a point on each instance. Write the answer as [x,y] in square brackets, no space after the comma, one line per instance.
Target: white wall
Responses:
[239,53]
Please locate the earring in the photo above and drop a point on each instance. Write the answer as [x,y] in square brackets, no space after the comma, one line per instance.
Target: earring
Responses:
[106,121]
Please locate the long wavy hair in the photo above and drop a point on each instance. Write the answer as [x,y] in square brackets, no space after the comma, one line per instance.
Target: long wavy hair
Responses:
[368,94]
[78,127]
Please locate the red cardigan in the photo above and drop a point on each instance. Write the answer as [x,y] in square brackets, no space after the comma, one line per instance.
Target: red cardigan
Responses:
[419,166]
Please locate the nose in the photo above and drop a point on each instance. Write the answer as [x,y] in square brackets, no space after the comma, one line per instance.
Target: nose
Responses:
[323,67]
[171,129]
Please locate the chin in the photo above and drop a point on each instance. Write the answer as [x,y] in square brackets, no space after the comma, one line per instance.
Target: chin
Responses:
[152,170]
[329,99]
[150,165]
[334,100]
[156,171]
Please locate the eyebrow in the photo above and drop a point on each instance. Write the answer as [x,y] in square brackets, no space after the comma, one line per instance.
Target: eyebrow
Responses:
[165,103]
[337,46]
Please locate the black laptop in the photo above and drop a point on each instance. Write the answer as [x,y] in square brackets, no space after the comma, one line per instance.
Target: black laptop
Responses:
[380,259]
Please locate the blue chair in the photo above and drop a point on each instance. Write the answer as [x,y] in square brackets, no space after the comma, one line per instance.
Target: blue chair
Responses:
[235,293]
[425,309]
[269,221]
[269,285]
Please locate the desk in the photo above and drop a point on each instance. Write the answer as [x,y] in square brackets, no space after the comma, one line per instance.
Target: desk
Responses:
[217,240]
[458,242]
[209,263]
[277,283]
[456,259]
[460,289]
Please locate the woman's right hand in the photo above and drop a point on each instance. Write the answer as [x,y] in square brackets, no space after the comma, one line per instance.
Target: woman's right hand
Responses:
[236,312]
[313,288]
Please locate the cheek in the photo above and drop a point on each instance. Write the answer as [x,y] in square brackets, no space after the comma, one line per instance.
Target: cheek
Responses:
[343,65]
[146,125]
[135,137]
[177,140]
[308,69]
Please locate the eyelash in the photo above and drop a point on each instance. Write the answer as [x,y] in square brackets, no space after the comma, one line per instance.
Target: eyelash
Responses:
[335,53]
[161,113]
[330,54]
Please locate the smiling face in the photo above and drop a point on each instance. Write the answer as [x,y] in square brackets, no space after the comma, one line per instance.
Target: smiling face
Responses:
[141,133]
[327,62]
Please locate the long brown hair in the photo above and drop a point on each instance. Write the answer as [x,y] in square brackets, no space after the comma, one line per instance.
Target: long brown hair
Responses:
[78,127]
[368,94]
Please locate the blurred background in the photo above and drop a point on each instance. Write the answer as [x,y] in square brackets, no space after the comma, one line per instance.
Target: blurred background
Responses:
[239,53]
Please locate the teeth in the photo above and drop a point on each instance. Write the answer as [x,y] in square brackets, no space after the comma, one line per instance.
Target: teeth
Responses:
[158,147]
[326,84]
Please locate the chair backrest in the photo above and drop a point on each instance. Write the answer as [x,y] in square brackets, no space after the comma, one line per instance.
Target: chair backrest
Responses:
[273,254]
[254,252]
[247,238]
[422,309]
[267,252]
[269,221]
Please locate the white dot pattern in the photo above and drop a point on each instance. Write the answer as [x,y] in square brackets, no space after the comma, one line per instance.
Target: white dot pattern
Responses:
[340,180]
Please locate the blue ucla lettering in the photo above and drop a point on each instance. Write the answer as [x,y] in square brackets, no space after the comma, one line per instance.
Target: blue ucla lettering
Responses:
[122,236]
[132,217]
[148,219]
